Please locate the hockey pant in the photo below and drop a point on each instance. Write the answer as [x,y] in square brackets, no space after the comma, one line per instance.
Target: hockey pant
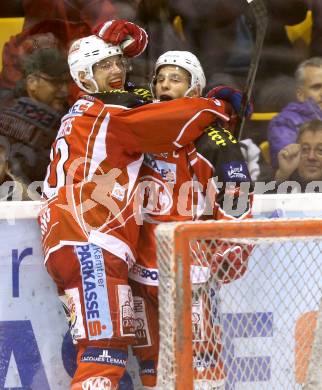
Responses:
[146,347]
[93,287]
[208,367]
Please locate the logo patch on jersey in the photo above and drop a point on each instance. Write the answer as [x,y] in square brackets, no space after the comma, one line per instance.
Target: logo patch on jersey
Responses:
[72,307]
[126,310]
[118,192]
[112,357]
[97,308]
[235,171]
[80,107]
[149,276]
[220,136]
[167,171]
[97,383]
[142,333]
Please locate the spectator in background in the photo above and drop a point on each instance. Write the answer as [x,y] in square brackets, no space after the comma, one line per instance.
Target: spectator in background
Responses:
[302,161]
[222,32]
[270,100]
[11,187]
[45,79]
[30,118]
[283,129]
[316,38]
[61,21]
[126,9]
[158,20]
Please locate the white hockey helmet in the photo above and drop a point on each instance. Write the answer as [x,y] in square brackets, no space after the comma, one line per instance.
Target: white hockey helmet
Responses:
[187,61]
[86,52]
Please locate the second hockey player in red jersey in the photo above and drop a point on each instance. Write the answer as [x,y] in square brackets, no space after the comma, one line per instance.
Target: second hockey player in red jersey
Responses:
[187,184]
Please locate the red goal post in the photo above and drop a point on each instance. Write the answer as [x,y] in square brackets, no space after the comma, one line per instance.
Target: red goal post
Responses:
[187,361]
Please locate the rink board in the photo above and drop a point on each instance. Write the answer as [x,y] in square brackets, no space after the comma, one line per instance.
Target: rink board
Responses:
[35,348]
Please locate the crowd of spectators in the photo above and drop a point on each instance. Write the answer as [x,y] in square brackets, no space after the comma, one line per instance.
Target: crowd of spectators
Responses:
[35,87]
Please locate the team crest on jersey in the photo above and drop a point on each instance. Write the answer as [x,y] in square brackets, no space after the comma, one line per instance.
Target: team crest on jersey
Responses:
[157,195]
[97,383]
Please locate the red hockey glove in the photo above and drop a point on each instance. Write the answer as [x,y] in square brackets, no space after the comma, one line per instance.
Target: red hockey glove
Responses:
[230,262]
[132,38]
[232,96]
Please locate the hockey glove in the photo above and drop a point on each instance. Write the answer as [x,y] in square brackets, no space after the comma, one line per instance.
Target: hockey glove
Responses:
[230,262]
[132,38]
[232,96]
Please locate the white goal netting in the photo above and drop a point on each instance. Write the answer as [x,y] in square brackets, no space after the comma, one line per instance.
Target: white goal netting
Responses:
[240,313]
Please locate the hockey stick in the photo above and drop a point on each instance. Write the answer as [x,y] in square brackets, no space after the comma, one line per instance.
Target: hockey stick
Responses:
[259,12]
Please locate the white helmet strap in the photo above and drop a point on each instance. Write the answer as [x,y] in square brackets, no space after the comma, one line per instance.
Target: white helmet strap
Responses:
[90,77]
[191,88]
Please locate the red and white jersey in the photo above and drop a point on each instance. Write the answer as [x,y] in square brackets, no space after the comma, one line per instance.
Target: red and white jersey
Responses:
[181,186]
[95,161]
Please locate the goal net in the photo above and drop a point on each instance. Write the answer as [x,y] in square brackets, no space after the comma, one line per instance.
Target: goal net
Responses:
[239,305]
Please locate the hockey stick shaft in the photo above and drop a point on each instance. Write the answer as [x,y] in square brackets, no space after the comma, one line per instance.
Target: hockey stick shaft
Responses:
[259,12]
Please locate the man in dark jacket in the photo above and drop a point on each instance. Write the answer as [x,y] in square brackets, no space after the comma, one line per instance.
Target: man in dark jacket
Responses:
[29,119]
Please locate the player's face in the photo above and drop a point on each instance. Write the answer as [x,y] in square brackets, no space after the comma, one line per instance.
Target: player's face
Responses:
[171,82]
[312,85]
[110,73]
[310,166]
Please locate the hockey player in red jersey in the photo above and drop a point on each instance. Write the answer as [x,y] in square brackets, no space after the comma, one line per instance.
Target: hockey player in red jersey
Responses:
[177,185]
[88,222]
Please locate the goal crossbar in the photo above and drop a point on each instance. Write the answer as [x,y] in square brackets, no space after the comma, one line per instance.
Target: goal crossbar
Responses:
[181,235]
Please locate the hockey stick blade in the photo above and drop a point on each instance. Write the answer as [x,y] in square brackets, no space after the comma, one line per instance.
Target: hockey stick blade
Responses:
[259,12]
